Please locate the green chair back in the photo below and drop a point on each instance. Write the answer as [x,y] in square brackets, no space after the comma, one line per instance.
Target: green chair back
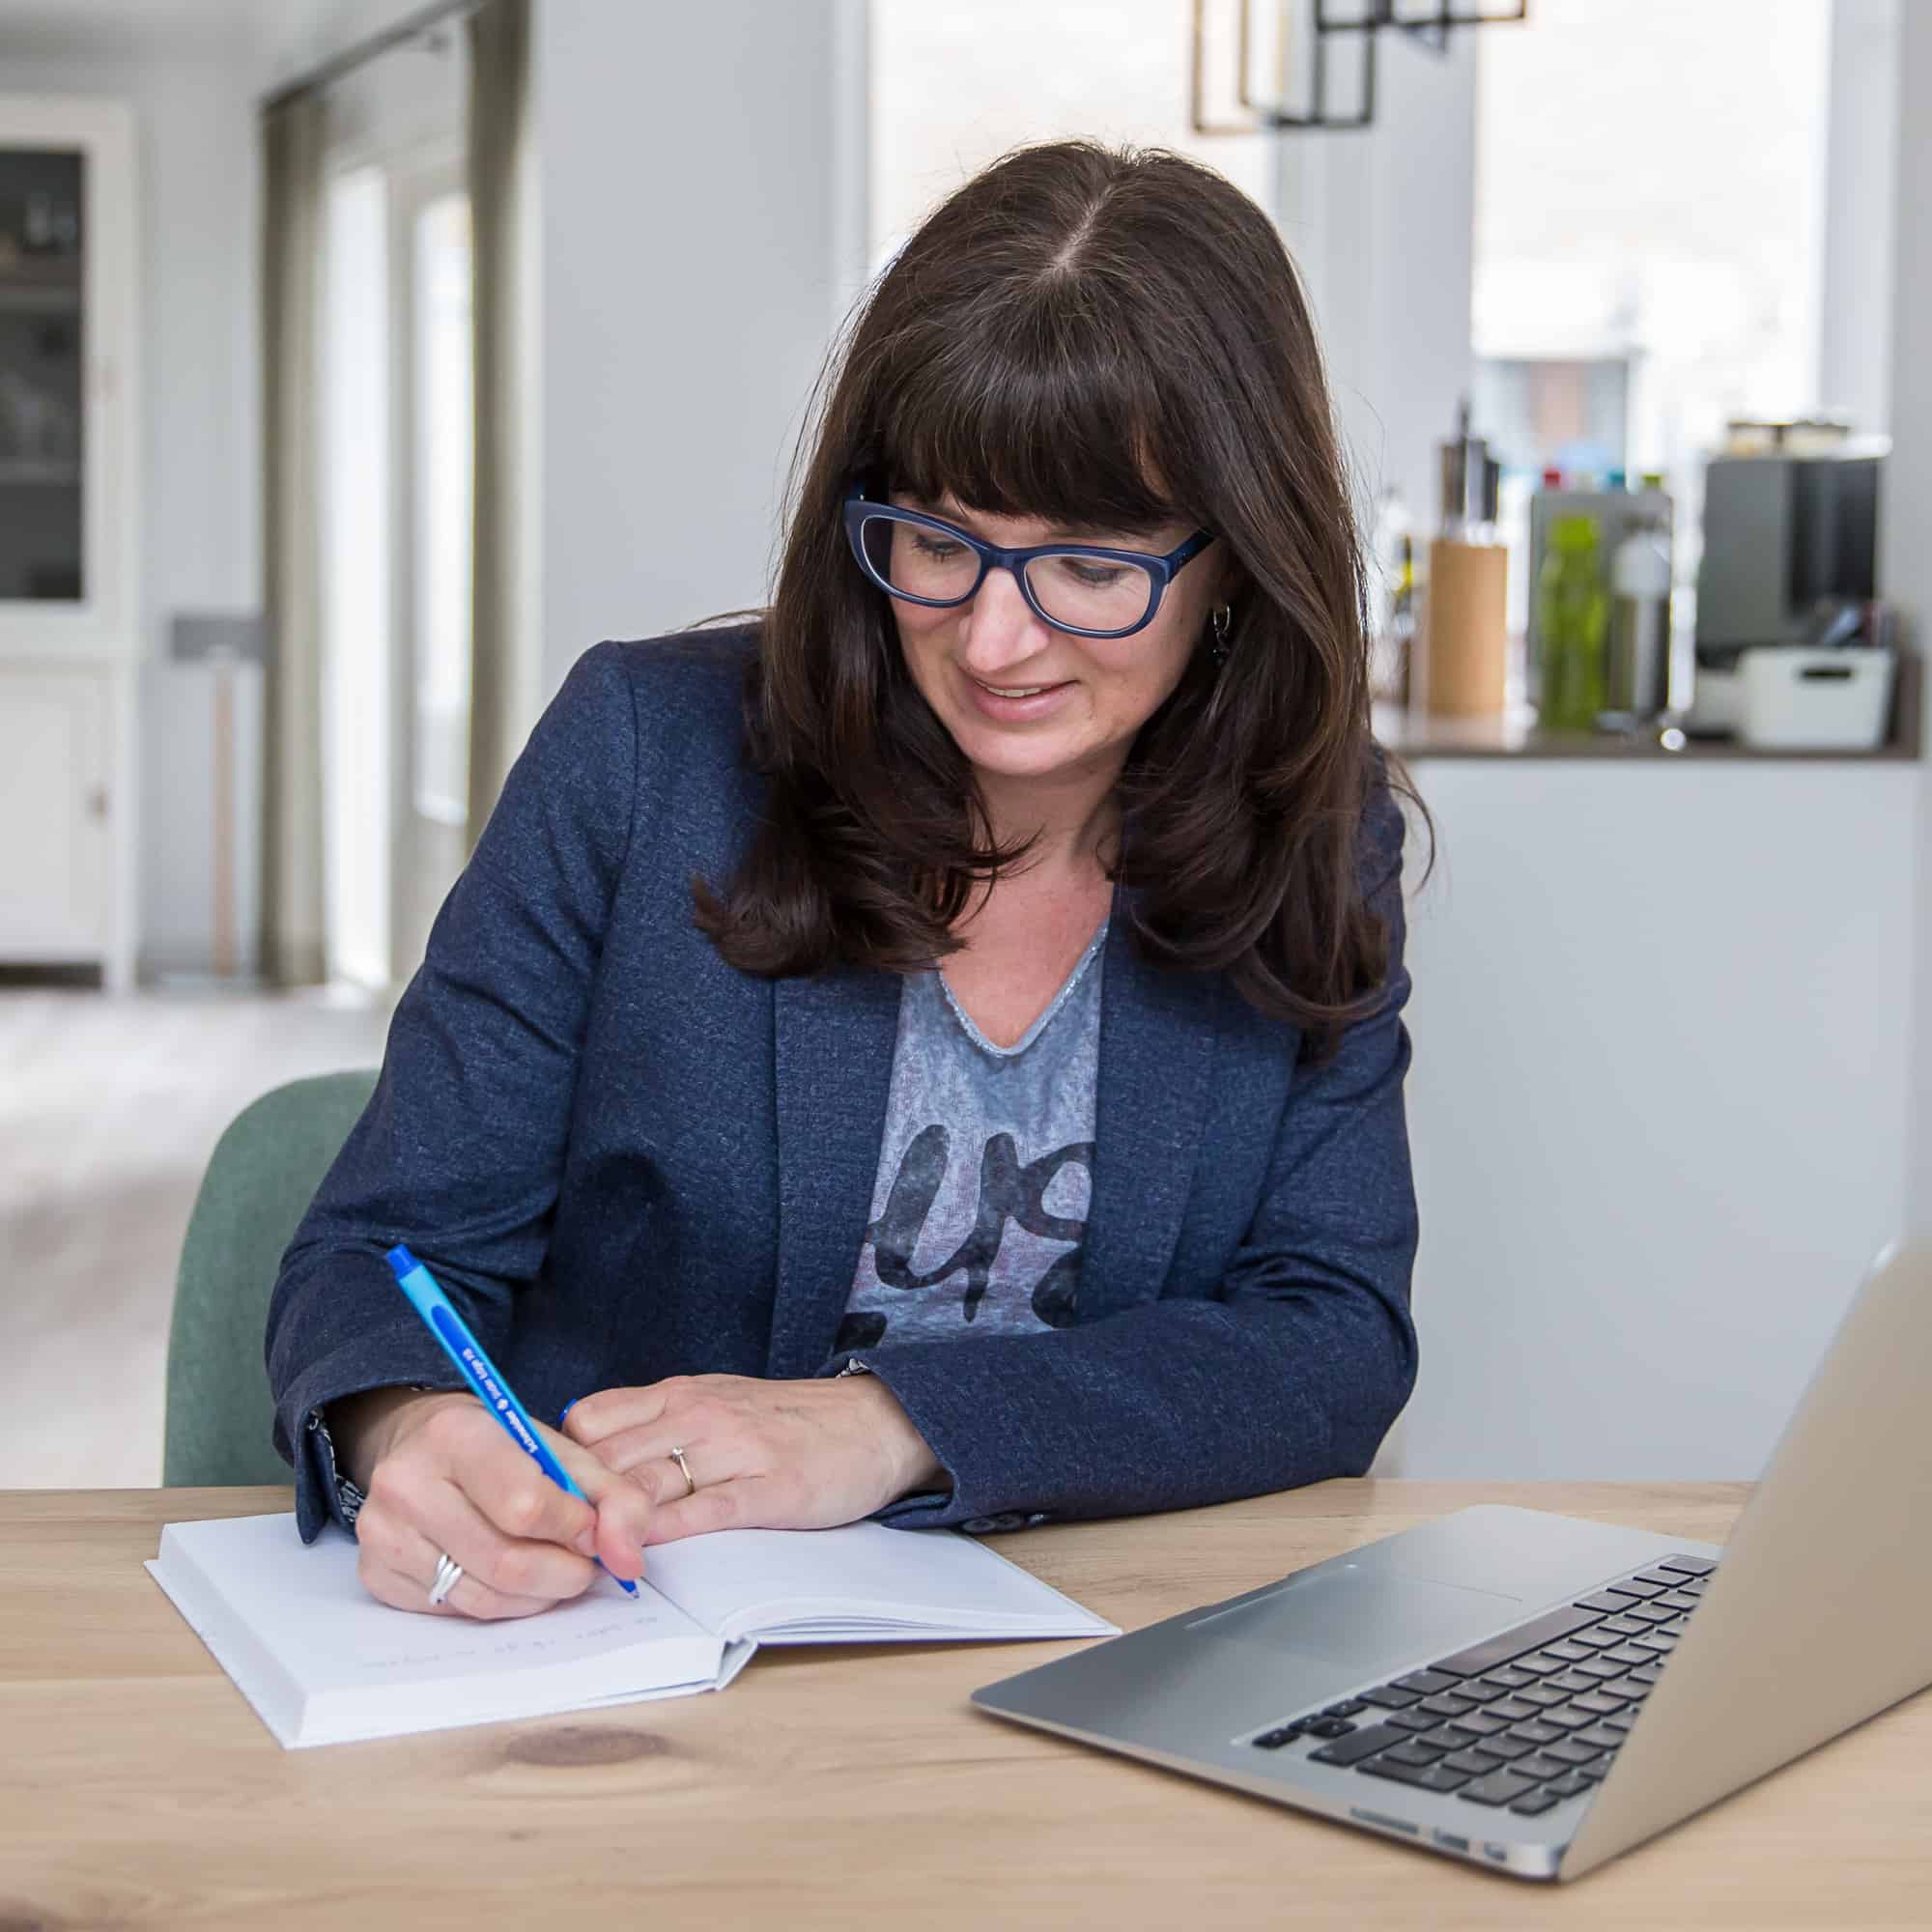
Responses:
[260,1179]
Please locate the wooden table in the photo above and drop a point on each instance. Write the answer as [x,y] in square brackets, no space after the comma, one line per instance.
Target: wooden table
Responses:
[846,1788]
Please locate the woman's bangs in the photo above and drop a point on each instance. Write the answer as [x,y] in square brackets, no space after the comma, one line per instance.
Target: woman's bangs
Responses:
[1064,442]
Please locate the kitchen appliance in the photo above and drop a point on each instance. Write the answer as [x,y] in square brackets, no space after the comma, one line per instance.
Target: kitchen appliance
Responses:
[1790,528]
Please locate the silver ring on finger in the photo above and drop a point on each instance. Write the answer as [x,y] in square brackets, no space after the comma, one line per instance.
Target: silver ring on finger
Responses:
[447,1573]
[684,1469]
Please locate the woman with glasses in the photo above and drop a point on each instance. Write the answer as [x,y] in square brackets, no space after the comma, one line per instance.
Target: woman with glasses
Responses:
[933,1051]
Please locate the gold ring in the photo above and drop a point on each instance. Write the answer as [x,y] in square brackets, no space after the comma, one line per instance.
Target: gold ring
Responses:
[684,1467]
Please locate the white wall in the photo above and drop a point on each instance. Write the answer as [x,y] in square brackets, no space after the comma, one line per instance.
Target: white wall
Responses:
[1382,223]
[1905,555]
[1658,1104]
[693,253]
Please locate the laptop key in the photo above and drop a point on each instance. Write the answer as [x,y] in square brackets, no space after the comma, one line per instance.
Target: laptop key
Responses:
[1282,1734]
[1474,1762]
[1510,1710]
[1425,1682]
[1540,1766]
[1569,1718]
[1424,1776]
[1532,1731]
[1543,1696]
[1480,1690]
[1448,1738]
[1446,1706]
[1676,1600]
[1413,1750]
[1535,1804]
[1628,1655]
[1354,1750]
[1574,1785]
[1597,1703]
[1571,1752]
[1411,1720]
[1572,1647]
[1541,1663]
[1624,1626]
[1389,1697]
[1329,1728]
[1601,1736]
[1595,1639]
[1643,1586]
[1500,1787]
[1601,1668]
[1607,1603]
[1691,1566]
[1506,1746]
[1348,1707]
[1573,1681]
[1480,1658]
[1510,1677]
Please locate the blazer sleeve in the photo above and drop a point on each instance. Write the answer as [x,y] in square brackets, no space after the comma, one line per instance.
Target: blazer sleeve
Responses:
[465,1133]
[1291,1374]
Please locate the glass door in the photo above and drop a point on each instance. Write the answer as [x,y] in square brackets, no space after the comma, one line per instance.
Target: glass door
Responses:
[44,554]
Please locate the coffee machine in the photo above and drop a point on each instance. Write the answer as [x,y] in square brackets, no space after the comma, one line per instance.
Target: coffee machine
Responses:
[1789,537]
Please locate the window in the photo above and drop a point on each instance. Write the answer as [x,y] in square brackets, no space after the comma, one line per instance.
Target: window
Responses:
[1648,225]
[355,571]
[444,480]
[953,87]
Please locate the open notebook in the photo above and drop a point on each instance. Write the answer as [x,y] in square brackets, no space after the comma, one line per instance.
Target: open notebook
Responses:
[323,1663]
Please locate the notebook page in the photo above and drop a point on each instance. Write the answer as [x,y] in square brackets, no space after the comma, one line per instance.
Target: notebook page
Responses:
[858,1582]
[303,1610]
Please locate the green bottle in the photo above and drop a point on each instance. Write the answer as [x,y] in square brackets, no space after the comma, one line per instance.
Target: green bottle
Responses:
[1573,612]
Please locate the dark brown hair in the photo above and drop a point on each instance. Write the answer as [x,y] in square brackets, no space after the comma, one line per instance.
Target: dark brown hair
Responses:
[1112,339]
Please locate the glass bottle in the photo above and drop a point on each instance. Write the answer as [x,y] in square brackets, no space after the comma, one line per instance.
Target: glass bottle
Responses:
[1572,616]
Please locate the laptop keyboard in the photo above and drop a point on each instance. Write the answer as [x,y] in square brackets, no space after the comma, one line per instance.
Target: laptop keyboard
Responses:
[1523,1719]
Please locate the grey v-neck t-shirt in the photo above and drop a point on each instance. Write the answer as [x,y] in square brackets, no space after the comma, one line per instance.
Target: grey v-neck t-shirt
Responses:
[985,1170]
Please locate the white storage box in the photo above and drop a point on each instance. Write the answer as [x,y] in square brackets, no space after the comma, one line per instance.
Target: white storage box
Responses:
[1792,698]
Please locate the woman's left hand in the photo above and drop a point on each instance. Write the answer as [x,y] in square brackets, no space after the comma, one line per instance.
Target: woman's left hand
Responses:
[764,1455]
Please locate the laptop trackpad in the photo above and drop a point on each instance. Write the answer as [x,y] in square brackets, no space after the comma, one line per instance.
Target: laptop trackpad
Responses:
[1364,1619]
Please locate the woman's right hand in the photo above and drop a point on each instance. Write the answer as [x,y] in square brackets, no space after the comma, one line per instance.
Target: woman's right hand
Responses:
[440,1475]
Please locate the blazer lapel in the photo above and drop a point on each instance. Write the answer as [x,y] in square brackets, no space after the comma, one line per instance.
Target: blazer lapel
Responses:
[1157,1034]
[833,1038]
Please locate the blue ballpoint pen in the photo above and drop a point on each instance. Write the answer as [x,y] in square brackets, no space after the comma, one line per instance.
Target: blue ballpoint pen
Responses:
[427,1298]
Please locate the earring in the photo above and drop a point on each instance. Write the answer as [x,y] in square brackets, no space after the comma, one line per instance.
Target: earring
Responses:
[1222,619]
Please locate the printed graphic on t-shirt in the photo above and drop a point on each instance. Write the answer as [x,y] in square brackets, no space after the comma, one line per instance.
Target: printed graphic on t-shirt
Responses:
[1010,1192]
[986,1174]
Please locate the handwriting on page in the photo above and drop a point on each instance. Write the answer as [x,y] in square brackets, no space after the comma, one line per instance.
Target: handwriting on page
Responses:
[526,1645]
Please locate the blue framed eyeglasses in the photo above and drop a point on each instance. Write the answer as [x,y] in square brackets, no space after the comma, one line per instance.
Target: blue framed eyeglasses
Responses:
[1087,590]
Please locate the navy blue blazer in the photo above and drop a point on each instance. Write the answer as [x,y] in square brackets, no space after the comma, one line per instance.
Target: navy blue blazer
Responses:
[627,1160]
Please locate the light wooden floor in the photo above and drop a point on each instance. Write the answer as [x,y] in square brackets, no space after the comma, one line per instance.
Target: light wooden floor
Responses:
[109,1109]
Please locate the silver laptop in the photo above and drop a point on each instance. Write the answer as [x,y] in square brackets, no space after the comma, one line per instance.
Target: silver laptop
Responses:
[1538,1694]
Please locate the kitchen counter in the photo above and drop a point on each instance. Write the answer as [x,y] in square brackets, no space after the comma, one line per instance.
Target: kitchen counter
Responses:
[1517,734]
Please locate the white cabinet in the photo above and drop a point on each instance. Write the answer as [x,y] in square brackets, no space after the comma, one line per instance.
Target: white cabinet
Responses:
[56,882]
[70,535]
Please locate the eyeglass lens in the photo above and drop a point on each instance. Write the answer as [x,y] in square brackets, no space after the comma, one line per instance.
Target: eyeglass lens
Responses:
[1086,593]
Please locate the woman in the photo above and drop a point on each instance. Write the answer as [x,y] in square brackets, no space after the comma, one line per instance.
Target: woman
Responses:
[933,1052]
